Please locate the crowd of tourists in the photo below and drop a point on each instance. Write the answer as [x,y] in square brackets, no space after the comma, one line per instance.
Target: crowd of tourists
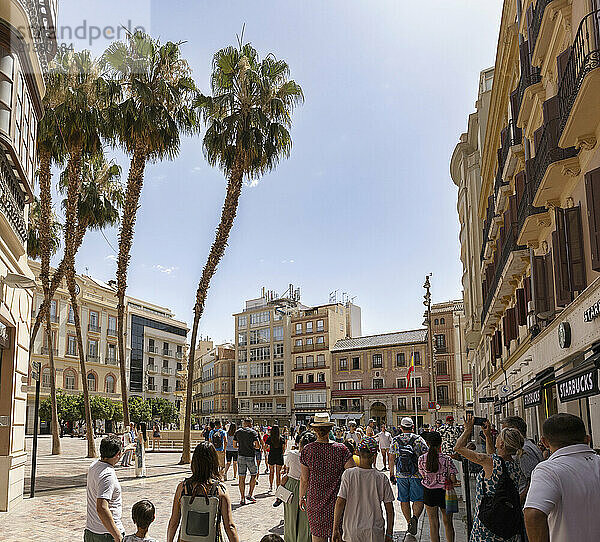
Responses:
[327,480]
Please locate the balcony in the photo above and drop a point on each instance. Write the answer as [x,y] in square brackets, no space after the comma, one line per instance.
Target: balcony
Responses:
[528,79]
[110,332]
[92,358]
[151,387]
[152,369]
[346,408]
[167,353]
[579,86]
[310,386]
[308,348]
[510,259]
[178,355]
[110,360]
[45,351]
[71,353]
[153,349]
[166,371]
[54,318]
[167,389]
[94,328]
[12,203]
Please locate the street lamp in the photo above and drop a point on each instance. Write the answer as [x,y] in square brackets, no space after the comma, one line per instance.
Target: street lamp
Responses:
[427,322]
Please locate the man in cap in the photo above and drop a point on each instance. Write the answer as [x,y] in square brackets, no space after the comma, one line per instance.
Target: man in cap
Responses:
[406,449]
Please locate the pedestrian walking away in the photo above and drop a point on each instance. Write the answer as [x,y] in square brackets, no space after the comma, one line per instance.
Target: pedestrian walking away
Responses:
[439,475]
[384,439]
[563,502]
[362,493]
[531,455]
[406,449]
[201,502]
[323,463]
[143,514]
[247,442]
[231,453]
[140,450]
[497,500]
[218,438]
[104,499]
[276,446]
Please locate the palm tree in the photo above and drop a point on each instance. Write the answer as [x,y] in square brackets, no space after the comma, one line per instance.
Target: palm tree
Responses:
[248,117]
[156,110]
[82,97]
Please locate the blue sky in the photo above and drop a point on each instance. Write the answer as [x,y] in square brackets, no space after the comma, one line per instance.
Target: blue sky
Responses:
[365,203]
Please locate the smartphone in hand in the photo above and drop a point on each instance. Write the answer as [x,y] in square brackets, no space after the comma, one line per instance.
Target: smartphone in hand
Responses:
[480,421]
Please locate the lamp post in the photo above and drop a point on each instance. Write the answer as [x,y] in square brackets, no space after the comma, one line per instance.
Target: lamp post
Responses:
[427,303]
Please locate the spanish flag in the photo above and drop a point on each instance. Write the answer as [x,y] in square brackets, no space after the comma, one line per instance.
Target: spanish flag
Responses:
[411,368]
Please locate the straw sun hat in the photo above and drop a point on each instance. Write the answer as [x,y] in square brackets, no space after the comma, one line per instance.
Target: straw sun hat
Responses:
[322,419]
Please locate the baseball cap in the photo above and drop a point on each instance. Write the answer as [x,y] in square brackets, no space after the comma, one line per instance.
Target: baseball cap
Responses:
[368,444]
[407,422]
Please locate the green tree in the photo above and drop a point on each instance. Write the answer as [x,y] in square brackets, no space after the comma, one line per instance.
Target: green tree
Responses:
[163,410]
[157,108]
[101,408]
[117,411]
[248,116]
[139,409]
[69,408]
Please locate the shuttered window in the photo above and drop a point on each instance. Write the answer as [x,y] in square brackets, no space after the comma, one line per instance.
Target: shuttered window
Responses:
[592,190]
[561,261]
[543,287]
[574,234]
[521,307]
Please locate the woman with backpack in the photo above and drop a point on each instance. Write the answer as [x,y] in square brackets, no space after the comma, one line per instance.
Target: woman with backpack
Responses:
[496,497]
[201,502]
[438,472]
[276,446]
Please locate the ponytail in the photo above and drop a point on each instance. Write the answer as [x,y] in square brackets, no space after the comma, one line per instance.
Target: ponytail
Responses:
[432,462]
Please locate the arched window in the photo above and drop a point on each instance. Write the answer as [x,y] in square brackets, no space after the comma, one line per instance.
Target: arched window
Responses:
[436,322]
[110,384]
[91,381]
[442,321]
[46,377]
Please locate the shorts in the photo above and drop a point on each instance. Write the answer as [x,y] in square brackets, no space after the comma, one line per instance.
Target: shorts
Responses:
[435,497]
[231,455]
[221,456]
[258,455]
[409,489]
[247,464]
[275,459]
[89,536]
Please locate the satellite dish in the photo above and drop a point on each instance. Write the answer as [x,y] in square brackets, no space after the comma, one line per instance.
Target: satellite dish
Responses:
[14,280]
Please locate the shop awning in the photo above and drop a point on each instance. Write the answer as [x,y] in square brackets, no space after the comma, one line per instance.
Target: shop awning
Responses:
[346,416]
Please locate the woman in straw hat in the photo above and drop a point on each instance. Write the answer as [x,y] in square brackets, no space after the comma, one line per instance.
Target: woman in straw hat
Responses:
[323,463]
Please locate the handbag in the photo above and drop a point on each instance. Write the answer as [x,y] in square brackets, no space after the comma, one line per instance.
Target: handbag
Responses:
[451,496]
[283,494]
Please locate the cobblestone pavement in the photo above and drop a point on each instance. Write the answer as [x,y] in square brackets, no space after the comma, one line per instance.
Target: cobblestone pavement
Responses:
[58,511]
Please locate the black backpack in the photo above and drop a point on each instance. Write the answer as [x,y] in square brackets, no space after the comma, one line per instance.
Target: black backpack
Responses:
[501,512]
[217,439]
[407,461]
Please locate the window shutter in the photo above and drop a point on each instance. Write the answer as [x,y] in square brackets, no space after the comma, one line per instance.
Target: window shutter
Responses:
[521,308]
[505,330]
[519,185]
[512,208]
[512,323]
[529,20]
[524,56]
[561,63]
[550,109]
[537,136]
[493,349]
[527,288]
[514,104]
[561,262]
[574,236]
[498,343]
[592,190]
[549,281]
[540,286]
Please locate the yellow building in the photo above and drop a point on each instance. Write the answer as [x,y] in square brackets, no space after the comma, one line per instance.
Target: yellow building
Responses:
[155,345]
[532,309]
[27,43]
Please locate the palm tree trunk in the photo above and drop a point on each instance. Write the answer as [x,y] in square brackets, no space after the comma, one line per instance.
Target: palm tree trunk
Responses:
[234,190]
[135,182]
[54,284]
[86,396]
[45,222]
[74,176]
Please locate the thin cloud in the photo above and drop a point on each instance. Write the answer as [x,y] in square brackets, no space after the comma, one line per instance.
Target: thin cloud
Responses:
[165,270]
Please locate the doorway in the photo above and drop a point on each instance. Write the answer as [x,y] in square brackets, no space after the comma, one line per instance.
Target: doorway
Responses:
[378,413]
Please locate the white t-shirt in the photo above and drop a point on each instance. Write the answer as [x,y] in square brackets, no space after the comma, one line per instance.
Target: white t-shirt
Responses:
[566,487]
[385,439]
[353,436]
[102,483]
[292,461]
[364,491]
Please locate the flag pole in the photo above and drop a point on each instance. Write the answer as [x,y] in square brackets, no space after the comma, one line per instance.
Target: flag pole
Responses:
[415,387]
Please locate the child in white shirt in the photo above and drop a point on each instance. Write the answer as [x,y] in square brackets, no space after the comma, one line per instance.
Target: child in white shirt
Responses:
[142,513]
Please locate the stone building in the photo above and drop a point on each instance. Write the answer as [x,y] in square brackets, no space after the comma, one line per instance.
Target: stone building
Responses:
[369,378]
[532,326]
[27,44]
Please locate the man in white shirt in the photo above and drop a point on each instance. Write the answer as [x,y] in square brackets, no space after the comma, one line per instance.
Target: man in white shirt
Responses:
[384,439]
[104,501]
[352,434]
[563,502]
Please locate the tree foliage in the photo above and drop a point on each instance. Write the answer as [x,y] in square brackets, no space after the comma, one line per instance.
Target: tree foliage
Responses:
[163,410]
[139,409]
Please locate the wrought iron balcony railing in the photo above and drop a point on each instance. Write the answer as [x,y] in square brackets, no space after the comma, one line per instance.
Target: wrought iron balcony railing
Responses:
[536,22]
[12,199]
[584,57]
[527,79]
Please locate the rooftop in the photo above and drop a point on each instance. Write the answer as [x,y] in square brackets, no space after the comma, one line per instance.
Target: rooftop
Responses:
[385,339]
